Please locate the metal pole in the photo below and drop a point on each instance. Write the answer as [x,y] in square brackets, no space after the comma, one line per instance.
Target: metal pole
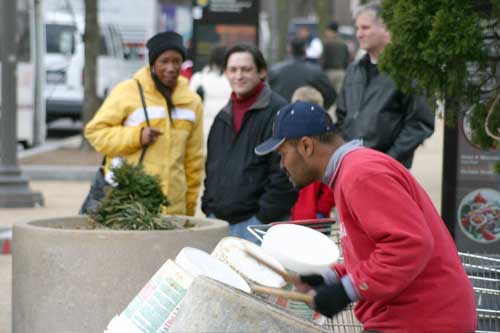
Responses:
[14,189]
[38,55]
[8,130]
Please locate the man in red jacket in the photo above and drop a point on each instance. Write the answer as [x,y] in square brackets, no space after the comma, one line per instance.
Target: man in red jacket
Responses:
[401,266]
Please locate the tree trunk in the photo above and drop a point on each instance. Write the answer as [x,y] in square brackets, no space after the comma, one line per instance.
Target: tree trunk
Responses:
[282,18]
[450,158]
[91,41]
[324,11]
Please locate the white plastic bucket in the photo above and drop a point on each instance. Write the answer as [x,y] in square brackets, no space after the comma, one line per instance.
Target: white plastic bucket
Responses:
[300,249]
[198,262]
[231,250]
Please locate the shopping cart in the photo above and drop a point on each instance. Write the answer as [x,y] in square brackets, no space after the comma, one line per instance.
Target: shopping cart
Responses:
[484,273]
[482,270]
[344,322]
[325,226]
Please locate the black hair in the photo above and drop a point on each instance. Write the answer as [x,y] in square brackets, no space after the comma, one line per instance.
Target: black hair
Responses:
[327,137]
[333,26]
[257,56]
[298,47]
[216,58]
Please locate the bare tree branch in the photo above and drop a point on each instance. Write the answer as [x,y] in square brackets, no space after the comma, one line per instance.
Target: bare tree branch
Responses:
[486,121]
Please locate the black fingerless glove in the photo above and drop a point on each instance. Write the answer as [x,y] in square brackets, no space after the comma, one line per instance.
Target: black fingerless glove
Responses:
[313,280]
[330,300]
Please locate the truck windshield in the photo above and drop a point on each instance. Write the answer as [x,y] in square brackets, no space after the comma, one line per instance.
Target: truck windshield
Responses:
[60,38]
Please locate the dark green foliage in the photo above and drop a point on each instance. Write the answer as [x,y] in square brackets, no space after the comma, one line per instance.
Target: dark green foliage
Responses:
[135,203]
[447,50]
[142,187]
[433,43]
[477,123]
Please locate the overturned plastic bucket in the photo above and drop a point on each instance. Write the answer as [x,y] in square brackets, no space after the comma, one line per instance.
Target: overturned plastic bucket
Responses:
[211,306]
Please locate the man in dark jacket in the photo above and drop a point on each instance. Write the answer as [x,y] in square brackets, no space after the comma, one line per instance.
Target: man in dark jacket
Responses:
[241,187]
[285,77]
[370,107]
[336,56]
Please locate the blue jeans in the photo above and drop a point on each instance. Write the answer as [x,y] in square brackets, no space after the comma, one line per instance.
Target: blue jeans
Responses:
[240,229]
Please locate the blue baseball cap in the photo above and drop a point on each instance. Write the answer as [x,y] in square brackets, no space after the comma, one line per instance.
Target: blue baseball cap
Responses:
[295,121]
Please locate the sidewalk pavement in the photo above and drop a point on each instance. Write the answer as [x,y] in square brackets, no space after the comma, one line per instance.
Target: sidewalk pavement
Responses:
[428,164]
[65,187]
[62,160]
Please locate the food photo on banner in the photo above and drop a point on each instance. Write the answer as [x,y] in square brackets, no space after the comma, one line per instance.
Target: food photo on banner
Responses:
[477,227]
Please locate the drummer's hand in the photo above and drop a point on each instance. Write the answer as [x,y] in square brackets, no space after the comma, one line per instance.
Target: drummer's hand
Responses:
[149,135]
[330,299]
[307,282]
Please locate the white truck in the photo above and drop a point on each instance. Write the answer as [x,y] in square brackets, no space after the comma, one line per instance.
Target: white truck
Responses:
[65,59]
[125,26]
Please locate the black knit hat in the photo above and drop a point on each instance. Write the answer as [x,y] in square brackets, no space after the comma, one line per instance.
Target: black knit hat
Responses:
[168,40]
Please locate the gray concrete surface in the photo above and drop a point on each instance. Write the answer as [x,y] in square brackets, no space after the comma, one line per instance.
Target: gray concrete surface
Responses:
[5,292]
[87,277]
[63,198]
[59,172]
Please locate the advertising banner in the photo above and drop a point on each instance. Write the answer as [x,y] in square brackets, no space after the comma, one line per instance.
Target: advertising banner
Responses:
[225,22]
[471,192]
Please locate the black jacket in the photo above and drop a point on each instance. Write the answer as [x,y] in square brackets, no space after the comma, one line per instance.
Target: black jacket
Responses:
[238,183]
[285,77]
[335,54]
[370,107]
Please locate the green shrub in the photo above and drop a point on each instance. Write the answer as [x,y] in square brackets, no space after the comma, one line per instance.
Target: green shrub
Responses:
[135,203]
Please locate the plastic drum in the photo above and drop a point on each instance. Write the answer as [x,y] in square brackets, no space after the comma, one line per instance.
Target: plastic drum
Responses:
[231,250]
[198,262]
[300,249]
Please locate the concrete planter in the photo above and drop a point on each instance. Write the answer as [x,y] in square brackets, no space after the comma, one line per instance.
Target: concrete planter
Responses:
[67,278]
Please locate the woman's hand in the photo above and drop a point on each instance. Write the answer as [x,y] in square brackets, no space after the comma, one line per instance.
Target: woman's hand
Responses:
[149,135]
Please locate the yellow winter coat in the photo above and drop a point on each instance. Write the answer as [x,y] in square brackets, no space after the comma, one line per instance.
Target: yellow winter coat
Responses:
[178,154]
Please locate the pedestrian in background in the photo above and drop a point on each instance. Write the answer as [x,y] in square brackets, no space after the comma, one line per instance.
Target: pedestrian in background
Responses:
[336,56]
[286,76]
[172,129]
[212,85]
[315,201]
[240,187]
[401,266]
[313,46]
[370,107]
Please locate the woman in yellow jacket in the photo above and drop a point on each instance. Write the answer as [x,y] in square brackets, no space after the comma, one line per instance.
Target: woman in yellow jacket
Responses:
[174,137]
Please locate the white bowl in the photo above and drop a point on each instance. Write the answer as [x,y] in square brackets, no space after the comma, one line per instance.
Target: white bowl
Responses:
[198,262]
[300,249]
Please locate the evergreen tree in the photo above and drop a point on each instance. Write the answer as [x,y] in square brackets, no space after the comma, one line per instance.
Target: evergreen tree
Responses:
[449,50]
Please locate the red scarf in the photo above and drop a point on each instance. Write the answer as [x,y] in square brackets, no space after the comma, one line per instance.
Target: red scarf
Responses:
[242,103]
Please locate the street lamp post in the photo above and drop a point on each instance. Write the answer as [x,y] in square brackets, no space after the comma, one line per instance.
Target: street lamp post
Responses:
[14,187]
